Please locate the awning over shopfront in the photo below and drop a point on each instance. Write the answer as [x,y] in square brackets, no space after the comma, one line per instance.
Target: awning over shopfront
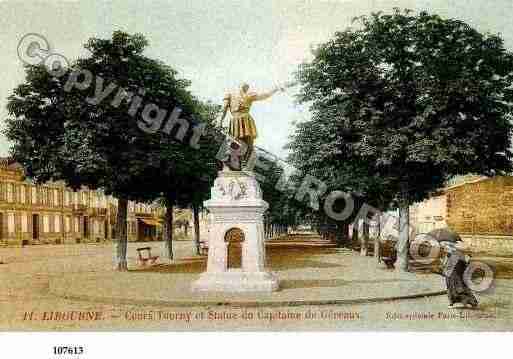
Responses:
[150,222]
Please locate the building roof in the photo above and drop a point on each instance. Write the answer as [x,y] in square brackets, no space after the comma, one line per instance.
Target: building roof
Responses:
[472,180]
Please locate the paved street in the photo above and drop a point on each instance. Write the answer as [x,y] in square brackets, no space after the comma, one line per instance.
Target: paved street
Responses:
[50,288]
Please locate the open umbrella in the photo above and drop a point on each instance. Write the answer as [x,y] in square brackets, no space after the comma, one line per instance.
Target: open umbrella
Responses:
[445,235]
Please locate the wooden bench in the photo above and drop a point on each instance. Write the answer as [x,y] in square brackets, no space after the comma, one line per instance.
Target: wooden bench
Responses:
[145,256]
[203,248]
[389,262]
[387,253]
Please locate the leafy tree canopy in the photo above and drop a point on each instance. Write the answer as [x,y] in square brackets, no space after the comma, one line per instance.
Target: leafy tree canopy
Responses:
[407,101]
[62,130]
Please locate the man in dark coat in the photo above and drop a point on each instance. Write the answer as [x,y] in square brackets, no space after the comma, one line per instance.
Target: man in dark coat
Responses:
[454,269]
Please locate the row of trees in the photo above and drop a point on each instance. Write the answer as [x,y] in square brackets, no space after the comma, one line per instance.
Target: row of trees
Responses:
[83,127]
[398,106]
[90,126]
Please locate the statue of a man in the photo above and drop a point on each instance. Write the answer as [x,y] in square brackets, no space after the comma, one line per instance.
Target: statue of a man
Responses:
[242,126]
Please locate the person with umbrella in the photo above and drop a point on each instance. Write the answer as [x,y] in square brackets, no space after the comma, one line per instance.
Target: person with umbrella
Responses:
[454,265]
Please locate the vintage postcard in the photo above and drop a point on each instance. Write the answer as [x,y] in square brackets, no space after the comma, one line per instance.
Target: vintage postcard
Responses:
[292,165]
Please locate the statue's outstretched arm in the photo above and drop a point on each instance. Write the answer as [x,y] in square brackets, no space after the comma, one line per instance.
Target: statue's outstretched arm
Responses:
[265,95]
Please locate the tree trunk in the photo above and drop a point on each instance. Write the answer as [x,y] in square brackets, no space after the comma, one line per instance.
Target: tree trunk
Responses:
[168,230]
[343,234]
[339,235]
[377,243]
[403,241]
[354,236]
[121,235]
[364,238]
[195,214]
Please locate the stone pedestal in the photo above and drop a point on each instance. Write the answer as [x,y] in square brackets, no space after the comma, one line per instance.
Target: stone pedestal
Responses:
[236,226]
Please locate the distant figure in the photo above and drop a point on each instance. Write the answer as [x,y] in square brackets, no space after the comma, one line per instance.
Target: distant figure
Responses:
[454,268]
[186,228]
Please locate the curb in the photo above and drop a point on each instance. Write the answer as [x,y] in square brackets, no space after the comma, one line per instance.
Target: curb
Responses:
[244,304]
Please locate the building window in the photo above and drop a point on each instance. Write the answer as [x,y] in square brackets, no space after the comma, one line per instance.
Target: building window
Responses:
[77,225]
[34,194]
[56,197]
[66,224]
[24,222]
[9,192]
[10,222]
[57,223]
[22,194]
[46,223]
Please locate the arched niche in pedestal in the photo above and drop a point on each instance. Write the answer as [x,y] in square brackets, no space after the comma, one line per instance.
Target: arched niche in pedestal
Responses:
[234,238]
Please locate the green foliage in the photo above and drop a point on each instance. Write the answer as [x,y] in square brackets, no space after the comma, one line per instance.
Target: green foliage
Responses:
[403,103]
[192,171]
[283,209]
[61,134]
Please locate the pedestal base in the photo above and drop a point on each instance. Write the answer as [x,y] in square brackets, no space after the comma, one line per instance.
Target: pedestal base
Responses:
[236,281]
[236,243]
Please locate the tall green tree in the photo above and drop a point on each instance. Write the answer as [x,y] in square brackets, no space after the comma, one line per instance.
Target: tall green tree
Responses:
[204,174]
[99,123]
[283,211]
[315,151]
[187,173]
[416,99]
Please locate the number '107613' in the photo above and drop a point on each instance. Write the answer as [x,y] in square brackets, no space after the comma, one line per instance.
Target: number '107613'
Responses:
[69,350]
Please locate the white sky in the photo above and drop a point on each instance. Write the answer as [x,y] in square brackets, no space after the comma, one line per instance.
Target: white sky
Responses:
[218,44]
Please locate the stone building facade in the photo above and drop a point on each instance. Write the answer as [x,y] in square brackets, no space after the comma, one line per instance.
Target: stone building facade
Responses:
[53,213]
[429,214]
[480,209]
[483,207]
